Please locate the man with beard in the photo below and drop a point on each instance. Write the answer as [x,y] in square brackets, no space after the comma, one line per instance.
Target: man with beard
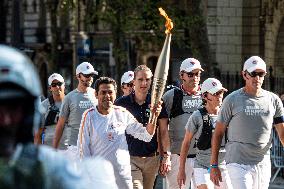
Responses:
[180,103]
[74,105]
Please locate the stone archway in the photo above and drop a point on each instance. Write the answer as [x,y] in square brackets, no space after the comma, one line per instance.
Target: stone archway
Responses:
[274,36]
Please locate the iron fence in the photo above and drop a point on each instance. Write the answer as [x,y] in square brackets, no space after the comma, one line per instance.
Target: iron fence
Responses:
[233,81]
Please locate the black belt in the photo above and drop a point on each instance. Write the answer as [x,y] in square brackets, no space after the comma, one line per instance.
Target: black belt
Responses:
[189,155]
[149,155]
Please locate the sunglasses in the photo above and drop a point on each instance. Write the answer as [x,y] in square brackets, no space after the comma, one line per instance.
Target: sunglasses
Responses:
[88,75]
[191,74]
[218,93]
[254,74]
[128,84]
[56,84]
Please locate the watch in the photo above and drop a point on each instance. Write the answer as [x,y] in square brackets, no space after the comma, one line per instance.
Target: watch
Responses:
[167,153]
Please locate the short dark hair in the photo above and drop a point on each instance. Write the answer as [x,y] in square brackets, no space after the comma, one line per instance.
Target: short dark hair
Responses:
[204,95]
[105,80]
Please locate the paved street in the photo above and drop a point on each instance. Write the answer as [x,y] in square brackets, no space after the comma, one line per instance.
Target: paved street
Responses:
[277,184]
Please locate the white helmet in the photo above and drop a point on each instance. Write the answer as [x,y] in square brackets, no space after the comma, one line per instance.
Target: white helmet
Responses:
[19,78]
[17,68]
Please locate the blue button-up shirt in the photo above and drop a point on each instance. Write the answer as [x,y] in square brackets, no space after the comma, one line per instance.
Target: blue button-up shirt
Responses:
[141,113]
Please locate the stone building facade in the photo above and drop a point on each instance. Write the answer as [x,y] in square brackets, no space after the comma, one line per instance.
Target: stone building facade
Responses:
[240,29]
[237,29]
[28,27]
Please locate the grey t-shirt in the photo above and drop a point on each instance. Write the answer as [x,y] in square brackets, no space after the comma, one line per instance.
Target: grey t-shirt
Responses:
[46,105]
[195,125]
[72,109]
[250,121]
[190,103]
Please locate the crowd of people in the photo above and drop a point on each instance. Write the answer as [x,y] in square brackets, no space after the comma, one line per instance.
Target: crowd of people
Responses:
[90,138]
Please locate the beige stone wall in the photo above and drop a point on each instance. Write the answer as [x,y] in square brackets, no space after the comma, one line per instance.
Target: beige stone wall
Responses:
[251,30]
[225,33]
[236,32]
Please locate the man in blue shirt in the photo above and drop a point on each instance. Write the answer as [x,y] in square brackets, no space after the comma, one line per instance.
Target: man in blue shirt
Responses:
[144,158]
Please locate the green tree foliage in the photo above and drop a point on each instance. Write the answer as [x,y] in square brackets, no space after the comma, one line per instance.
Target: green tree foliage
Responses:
[140,22]
[58,10]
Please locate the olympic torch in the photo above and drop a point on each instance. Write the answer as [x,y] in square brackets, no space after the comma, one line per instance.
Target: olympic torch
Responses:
[162,68]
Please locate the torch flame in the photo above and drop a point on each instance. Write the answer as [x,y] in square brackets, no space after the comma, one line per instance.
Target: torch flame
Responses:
[169,24]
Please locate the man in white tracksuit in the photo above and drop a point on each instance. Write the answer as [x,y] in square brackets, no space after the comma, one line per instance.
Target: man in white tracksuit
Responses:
[102,131]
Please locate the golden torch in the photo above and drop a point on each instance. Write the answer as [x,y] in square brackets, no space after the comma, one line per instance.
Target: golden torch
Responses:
[162,68]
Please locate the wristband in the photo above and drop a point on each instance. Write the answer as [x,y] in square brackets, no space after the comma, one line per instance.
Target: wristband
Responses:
[214,166]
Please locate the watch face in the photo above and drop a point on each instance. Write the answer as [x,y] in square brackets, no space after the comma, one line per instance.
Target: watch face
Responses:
[167,153]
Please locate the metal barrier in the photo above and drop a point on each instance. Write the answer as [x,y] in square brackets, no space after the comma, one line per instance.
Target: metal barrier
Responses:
[277,154]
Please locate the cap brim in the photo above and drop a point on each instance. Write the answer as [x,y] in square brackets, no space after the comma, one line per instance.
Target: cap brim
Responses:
[216,89]
[191,69]
[58,79]
[127,81]
[90,72]
[255,68]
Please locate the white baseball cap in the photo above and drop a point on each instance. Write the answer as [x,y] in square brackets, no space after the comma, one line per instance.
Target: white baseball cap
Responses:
[55,76]
[85,68]
[253,63]
[127,77]
[190,64]
[212,85]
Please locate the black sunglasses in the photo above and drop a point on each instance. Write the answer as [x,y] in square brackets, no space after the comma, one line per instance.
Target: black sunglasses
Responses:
[56,84]
[218,93]
[128,84]
[254,74]
[88,75]
[191,74]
